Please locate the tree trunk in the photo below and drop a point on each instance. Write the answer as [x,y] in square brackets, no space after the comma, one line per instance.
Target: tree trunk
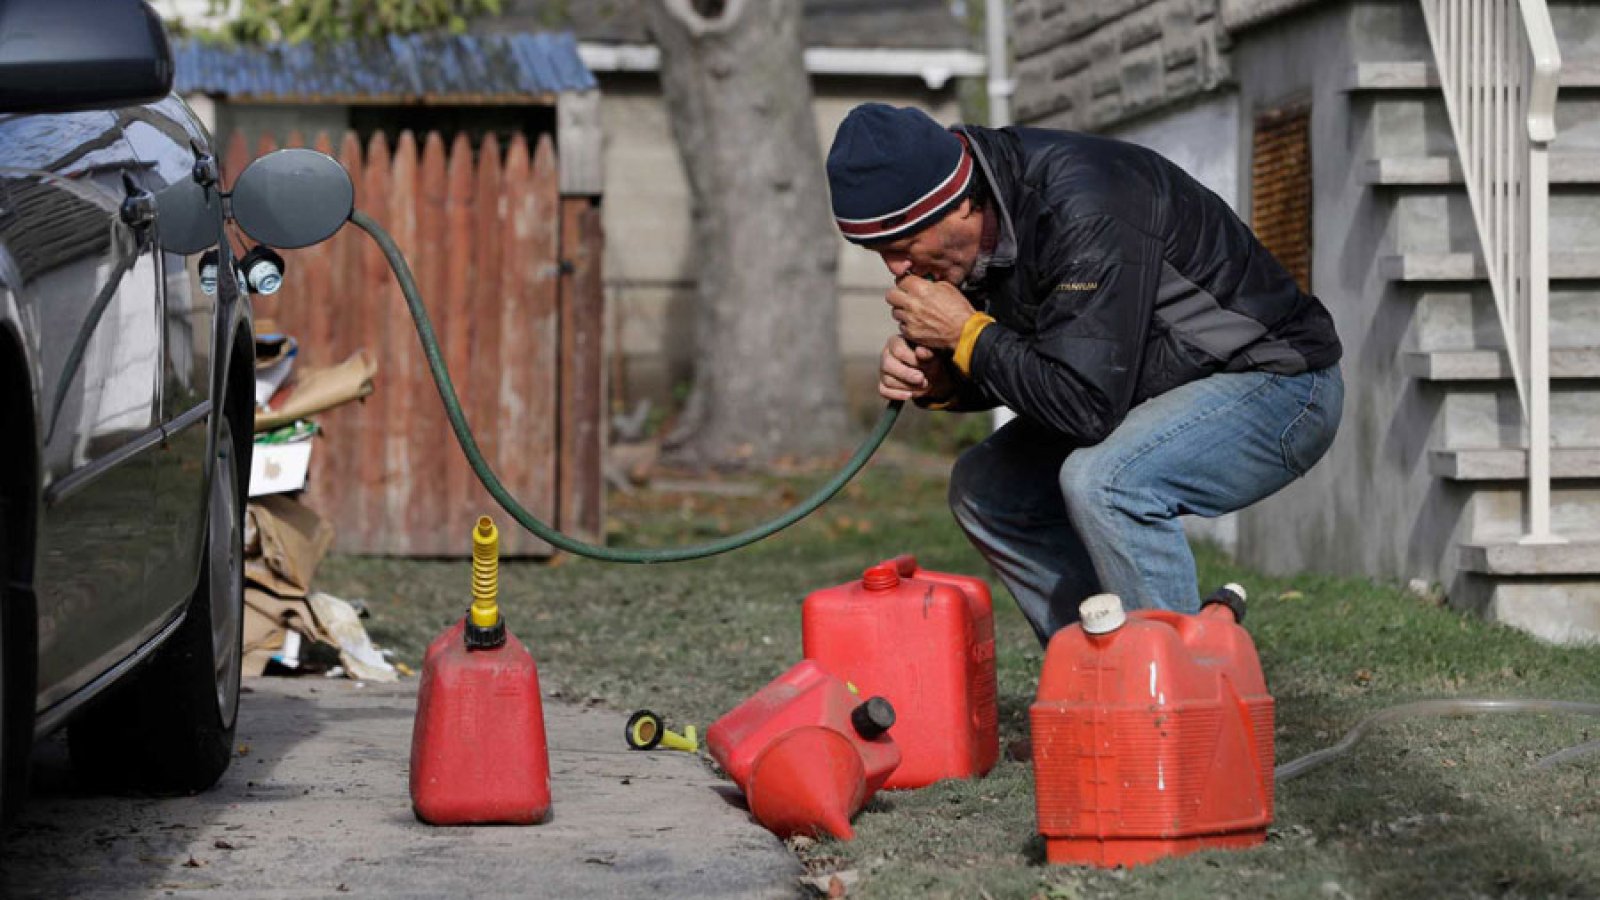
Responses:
[767,378]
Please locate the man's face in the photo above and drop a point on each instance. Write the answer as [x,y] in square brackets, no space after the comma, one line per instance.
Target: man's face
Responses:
[944,251]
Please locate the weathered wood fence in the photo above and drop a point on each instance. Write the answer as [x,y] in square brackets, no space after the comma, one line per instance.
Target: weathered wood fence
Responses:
[510,273]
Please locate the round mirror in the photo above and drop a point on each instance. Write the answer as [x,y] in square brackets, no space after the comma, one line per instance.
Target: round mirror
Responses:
[293,198]
[190,217]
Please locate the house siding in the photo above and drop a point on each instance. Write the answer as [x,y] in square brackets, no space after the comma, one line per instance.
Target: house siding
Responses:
[1087,66]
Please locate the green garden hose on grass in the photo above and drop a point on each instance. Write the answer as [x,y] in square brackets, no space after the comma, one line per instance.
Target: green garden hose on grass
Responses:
[480,466]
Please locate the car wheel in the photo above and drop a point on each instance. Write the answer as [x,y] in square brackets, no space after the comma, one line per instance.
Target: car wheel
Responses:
[169,729]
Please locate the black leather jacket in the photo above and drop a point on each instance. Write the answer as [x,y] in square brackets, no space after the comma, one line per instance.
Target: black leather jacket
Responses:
[1117,277]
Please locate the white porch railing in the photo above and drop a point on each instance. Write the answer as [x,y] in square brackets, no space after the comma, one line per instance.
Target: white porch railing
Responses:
[1498,65]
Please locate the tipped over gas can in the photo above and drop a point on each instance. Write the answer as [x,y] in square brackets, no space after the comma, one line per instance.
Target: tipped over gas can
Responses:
[925,641]
[478,751]
[1152,735]
[807,752]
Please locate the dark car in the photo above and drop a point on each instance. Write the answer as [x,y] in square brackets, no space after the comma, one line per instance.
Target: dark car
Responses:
[125,408]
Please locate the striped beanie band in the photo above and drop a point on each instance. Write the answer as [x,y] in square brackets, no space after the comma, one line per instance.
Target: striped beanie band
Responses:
[893,171]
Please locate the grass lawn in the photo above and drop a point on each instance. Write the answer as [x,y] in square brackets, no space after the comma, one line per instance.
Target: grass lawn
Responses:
[1433,808]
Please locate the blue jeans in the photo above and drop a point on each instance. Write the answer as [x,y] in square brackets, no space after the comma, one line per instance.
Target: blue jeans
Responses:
[1058,524]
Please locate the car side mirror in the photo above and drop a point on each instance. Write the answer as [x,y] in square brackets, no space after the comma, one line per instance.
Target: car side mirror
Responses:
[64,55]
[293,198]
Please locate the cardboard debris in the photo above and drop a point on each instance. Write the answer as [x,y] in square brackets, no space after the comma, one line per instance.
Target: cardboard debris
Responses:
[340,620]
[267,621]
[314,390]
[322,618]
[279,468]
[284,541]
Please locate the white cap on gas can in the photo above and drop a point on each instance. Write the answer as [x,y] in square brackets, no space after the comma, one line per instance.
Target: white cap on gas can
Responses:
[1102,613]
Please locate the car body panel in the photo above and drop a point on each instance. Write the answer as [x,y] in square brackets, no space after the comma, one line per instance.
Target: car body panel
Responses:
[165,137]
[100,414]
[124,464]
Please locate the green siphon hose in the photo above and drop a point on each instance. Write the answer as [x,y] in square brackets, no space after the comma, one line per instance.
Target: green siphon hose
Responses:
[480,466]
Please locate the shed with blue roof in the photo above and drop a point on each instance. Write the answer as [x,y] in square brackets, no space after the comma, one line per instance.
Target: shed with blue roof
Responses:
[532,83]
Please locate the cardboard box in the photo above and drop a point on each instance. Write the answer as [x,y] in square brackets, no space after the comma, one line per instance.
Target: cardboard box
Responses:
[278,468]
[267,622]
[312,390]
[283,544]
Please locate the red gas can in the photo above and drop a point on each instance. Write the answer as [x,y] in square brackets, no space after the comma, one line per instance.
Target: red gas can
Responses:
[478,753]
[760,746]
[925,641]
[1152,735]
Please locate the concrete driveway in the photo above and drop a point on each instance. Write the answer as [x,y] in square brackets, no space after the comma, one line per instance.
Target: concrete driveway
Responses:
[317,806]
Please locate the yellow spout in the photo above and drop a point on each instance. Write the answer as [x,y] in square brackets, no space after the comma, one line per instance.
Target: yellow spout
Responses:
[688,742]
[485,574]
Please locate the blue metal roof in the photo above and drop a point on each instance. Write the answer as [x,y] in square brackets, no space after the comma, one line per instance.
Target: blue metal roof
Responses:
[433,68]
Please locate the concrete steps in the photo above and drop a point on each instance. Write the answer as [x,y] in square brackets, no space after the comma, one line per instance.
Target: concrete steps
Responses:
[1511,463]
[1489,414]
[1442,171]
[1494,365]
[1470,267]
[1547,590]
[1579,557]
[1455,346]
[1422,76]
[1462,315]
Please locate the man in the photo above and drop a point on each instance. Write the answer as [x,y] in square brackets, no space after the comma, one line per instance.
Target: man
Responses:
[1160,361]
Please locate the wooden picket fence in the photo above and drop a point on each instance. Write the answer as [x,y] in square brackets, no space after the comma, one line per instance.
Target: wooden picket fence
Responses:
[510,273]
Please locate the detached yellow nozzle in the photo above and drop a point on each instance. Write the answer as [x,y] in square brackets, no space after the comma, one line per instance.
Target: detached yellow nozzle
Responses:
[688,742]
[646,731]
[485,611]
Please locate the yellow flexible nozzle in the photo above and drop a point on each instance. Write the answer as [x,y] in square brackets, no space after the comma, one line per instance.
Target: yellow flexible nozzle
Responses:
[688,742]
[485,574]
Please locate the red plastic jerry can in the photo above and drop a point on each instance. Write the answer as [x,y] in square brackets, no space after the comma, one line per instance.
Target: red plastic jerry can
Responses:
[925,641]
[478,752]
[807,752]
[1152,735]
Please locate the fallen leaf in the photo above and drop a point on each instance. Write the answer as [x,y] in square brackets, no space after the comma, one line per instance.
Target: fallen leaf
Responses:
[222,845]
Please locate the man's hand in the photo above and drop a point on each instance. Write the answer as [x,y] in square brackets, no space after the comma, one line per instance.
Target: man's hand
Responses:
[930,313]
[906,372]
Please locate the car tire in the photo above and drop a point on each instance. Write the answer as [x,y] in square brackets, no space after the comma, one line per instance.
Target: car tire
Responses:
[8,793]
[169,729]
